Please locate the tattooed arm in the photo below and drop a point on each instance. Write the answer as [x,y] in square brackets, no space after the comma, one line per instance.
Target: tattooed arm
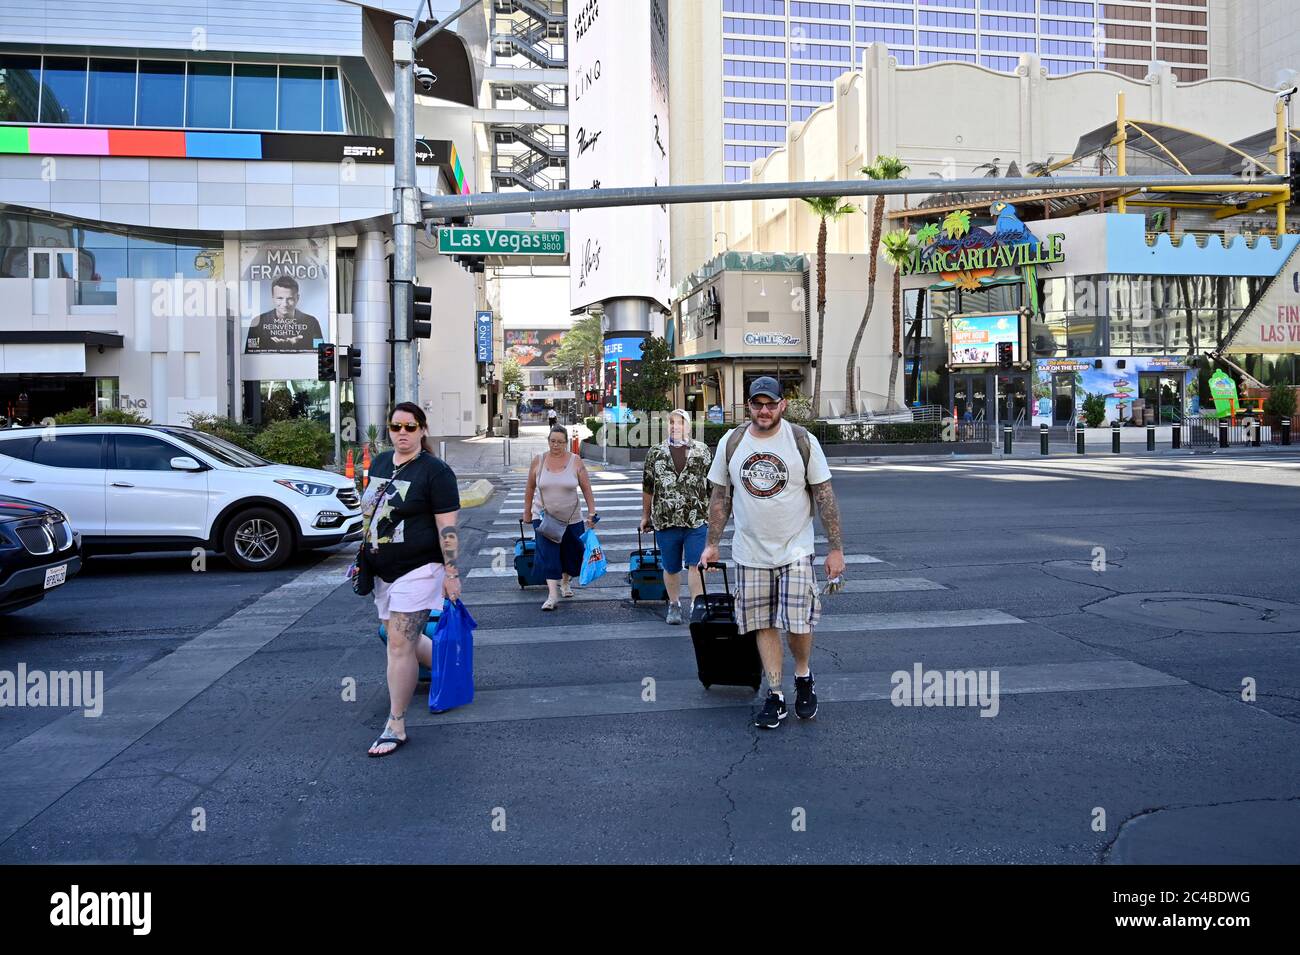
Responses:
[449,539]
[719,511]
[829,509]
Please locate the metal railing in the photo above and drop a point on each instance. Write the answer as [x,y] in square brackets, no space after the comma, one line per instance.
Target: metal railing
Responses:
[1205,432]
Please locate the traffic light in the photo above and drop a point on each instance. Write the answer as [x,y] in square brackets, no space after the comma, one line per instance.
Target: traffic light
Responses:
[325,362]
[1005,351]
[591,394]
[1295,179]
[351,363]
[421,311]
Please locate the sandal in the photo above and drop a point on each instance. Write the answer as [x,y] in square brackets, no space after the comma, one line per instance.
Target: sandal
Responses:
[550,604]
[566,590]
[387,739]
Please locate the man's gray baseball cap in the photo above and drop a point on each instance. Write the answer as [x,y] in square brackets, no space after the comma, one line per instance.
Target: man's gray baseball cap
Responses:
[765,386]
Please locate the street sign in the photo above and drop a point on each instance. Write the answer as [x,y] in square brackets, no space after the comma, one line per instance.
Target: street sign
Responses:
[501,242]
[544,395]
[483,336]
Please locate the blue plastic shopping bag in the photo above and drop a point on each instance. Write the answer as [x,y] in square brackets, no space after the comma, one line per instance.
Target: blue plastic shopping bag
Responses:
[593,559]
[451,683]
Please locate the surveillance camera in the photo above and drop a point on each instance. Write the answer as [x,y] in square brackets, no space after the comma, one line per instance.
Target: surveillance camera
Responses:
[1288,92]
[424,76]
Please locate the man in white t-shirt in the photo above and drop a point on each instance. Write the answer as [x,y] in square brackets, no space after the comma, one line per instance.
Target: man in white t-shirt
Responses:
[769,475]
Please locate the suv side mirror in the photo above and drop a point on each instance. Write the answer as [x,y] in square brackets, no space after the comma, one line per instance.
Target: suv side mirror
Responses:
[185,463]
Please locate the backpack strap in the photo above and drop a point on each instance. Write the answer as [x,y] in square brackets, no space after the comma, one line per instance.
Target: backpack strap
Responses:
[733,441]
[805,451]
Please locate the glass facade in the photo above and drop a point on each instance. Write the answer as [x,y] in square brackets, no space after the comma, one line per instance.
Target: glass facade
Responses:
[100,91]
[97,258]
[823,40]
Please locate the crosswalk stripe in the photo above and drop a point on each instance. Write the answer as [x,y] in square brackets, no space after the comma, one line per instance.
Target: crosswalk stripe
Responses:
[829,623]
[608,590]
[620,567]
[601,532]
[633,518]
[623,698]
[604,536]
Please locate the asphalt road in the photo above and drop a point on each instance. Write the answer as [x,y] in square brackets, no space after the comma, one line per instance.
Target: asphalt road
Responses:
[1121,603]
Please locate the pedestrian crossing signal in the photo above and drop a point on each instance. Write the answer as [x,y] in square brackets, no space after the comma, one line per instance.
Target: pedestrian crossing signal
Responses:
[1005,354]
[325,362]
[421,311]
[589,394]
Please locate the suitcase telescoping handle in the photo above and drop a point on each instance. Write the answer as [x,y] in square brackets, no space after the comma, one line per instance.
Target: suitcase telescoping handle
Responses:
[522,537]
[639,545]
[713,565]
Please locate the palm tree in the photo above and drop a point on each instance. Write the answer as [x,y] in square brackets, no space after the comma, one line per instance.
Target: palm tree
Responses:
[991,169]
[1041,168]
[885,167]
[833,208]
[897,247]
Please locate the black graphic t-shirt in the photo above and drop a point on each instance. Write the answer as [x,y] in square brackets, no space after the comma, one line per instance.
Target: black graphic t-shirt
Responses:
[399,509]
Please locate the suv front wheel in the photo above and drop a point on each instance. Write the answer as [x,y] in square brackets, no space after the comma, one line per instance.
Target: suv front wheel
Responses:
[257,539]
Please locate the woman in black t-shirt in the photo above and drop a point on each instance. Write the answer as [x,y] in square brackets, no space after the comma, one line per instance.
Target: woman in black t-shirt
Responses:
[411,545]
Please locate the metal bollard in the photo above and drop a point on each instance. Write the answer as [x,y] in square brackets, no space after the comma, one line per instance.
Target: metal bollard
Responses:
[442,450]
[1178,436]
[1042,439]
[1151,437]
[1286,430]
[505,453]
[1223,434]
[1006,440]
[1078,438]
[1114,439]
[1255,441]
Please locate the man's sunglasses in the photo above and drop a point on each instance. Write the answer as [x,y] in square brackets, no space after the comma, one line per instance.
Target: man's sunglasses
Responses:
[763,405]
[396,426]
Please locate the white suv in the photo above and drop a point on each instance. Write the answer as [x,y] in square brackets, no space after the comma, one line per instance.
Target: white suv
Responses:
[130,488]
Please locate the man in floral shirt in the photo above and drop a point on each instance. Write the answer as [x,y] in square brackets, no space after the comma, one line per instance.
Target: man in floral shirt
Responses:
[675,503]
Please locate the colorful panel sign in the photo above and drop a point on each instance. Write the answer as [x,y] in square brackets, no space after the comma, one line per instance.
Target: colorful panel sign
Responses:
[286,288]
[532,347]
[483,336]
[974,339]
[180,144]
[1118,385]
[1272,325]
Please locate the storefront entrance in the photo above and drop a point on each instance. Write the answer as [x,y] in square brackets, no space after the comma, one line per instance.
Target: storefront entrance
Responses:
[31,399]
[973,392]
[1013,400]
[1063,411]
[1163,397]
[968,396]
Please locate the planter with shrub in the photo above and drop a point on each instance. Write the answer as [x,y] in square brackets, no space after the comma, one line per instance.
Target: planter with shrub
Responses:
[298,441]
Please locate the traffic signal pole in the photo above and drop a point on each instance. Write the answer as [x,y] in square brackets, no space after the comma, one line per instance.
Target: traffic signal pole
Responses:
[406,196]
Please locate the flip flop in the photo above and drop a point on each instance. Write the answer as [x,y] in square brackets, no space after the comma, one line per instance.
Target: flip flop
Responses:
[567,591]
[387,739]
[549,605]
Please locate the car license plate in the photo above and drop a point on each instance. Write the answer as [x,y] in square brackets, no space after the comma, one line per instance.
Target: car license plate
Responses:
[55,576]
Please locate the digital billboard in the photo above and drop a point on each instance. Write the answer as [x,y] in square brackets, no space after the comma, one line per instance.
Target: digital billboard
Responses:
[973,339]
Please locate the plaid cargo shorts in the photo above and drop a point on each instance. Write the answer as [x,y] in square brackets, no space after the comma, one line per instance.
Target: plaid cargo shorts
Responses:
[784,598]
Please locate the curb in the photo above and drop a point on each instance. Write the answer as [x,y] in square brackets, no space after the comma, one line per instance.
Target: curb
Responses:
[476,493]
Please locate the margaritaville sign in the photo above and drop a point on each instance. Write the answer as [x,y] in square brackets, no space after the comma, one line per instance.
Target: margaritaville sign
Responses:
[969,258]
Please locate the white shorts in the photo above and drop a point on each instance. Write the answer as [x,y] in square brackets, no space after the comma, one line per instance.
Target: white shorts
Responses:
[420,589]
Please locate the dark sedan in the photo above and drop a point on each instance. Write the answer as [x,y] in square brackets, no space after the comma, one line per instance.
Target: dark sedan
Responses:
[39,551]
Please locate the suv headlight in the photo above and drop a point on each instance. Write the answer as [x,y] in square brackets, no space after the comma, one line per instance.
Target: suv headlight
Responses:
[306,488]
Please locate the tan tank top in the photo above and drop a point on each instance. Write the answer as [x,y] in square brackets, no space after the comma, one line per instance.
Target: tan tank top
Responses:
[559,490]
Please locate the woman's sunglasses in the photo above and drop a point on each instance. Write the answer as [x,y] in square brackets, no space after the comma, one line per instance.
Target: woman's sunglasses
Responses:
[408,427]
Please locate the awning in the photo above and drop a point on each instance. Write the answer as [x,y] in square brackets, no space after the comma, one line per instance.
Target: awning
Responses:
[719,356]
[107,339]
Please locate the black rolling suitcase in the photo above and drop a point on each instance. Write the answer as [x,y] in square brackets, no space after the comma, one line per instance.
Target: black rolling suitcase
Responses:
[723,655]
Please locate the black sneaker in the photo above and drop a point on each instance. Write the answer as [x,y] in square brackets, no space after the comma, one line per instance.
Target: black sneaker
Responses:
[805,700]
[773,712]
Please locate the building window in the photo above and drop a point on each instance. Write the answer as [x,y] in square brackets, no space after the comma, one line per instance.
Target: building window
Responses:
[207,100]
[300,98]
[1061,67]
[160,96]
[111,100]
[749,27]
[820,11]
[776,7]
[1066,48]
[63,91]
[768,48]
[928,57]
[951,21]
[20,88]
[820,51]
[1008,44]
[1004,64]
[811,94]
[881,35]
[819,31]
[1007,24]
[758,70]
[255,90]
[1010,6]
[884,15]
[753,90]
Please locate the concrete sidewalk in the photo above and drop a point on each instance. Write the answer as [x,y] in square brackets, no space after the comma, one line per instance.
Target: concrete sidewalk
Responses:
[483,456]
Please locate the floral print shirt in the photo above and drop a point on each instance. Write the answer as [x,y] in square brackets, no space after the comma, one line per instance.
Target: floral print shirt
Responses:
[679,500]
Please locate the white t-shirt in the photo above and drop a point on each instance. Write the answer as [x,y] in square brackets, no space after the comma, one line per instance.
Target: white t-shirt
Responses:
[774,518]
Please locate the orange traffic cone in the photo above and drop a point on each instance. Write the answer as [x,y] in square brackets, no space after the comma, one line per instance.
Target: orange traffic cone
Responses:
[349,470]
[365,466]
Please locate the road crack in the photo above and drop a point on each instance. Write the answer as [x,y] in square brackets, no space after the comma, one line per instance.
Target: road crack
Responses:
[726,793]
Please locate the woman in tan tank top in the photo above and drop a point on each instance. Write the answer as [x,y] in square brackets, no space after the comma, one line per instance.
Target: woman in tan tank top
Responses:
[556,477]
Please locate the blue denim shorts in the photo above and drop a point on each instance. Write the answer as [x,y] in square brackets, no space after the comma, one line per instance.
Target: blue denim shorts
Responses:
[673,541]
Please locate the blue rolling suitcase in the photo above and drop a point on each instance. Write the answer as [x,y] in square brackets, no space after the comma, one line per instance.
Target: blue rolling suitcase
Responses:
[525,551]
[646,572]
[429,627]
